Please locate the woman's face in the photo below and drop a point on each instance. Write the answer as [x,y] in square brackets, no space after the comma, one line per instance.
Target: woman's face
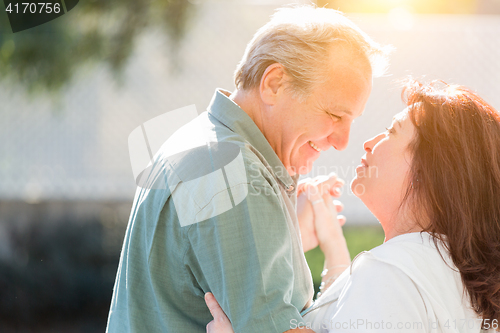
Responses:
[381,179]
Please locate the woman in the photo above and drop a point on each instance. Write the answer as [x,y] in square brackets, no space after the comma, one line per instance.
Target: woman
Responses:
[433,181]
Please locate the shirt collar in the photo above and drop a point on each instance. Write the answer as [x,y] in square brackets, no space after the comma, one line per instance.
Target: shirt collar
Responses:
[232,116]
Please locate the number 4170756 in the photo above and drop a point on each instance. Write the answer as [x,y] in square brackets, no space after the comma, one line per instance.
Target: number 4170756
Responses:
[34,8]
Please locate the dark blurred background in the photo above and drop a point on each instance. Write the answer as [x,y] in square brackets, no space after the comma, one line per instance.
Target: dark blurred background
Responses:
[73,89]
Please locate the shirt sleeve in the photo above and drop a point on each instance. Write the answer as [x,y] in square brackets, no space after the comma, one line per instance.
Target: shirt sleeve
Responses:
[245,255]
[378,297]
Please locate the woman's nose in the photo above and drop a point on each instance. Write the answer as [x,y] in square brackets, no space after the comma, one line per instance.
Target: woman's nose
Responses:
[369,144]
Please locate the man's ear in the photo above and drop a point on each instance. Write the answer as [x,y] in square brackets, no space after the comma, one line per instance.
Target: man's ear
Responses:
[272,83]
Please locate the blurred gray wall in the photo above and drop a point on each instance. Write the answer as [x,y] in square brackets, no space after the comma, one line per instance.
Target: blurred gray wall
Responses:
[76,150]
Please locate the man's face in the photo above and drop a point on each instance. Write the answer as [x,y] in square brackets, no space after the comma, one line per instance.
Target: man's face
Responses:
[324,119]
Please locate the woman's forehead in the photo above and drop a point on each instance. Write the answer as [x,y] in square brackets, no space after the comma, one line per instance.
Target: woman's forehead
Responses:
[401,116]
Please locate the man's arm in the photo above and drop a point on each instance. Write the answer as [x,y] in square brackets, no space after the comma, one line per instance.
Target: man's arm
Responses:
[246,258]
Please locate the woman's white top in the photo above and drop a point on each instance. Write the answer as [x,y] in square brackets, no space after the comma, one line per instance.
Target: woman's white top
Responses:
[403,285]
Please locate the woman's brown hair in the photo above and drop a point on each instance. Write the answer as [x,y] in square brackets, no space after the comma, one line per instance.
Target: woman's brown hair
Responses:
[455,183]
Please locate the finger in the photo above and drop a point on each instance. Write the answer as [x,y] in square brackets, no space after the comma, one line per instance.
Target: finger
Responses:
[319,202]
[342,219]
[327,181]
[313,192]
[210,327]
[336,187]
[323,178]
[336,191]
[330,184]
[339,206]
[214,307]
[334,206]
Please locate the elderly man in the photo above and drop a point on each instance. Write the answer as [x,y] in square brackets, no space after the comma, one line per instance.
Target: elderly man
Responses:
[226,220]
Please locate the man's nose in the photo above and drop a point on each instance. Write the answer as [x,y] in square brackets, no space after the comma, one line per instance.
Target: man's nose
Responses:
[340,137]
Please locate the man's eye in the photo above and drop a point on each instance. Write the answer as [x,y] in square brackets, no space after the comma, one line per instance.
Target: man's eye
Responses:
[334,116]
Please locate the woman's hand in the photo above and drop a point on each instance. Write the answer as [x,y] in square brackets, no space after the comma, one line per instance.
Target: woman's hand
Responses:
[328,226]
[221,323]
[327,185]
[327,223]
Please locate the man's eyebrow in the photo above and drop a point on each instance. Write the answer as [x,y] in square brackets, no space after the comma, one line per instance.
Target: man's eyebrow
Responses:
[342,109]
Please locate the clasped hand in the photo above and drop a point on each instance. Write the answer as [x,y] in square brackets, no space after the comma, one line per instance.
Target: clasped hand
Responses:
[319,222]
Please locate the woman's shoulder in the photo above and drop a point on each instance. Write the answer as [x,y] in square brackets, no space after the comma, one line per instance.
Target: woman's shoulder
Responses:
[417,248]
[419,255]
[406,271]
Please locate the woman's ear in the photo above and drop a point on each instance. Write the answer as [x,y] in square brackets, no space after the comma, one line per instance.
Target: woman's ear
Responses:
[272,83]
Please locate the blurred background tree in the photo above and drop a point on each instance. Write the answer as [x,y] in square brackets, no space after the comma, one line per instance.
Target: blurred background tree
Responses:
[45,58]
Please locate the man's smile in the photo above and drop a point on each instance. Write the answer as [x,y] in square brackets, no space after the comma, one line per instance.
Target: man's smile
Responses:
[314,146]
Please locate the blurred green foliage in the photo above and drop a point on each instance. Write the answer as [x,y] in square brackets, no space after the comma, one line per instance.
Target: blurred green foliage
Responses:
[359,238]
[44,58]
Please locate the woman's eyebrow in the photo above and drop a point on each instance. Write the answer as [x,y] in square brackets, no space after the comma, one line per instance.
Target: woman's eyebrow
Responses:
[396,121]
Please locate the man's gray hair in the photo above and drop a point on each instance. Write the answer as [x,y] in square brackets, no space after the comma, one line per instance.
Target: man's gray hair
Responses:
[301,39]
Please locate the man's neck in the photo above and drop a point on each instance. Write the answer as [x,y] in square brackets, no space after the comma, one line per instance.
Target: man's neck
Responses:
[248,101]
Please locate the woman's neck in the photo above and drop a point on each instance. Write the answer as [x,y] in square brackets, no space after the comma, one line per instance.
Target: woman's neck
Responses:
[399,223]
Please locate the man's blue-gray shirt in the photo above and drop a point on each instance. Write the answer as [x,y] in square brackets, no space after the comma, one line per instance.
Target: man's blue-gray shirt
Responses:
[219,216]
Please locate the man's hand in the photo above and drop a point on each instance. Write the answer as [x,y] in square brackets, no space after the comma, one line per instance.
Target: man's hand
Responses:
[221,323]
[327,186]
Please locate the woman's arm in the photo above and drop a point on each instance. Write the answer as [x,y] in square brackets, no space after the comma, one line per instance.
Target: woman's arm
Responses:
[330,236]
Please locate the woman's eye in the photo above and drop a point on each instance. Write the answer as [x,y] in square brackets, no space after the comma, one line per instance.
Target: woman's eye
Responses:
[390,130]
